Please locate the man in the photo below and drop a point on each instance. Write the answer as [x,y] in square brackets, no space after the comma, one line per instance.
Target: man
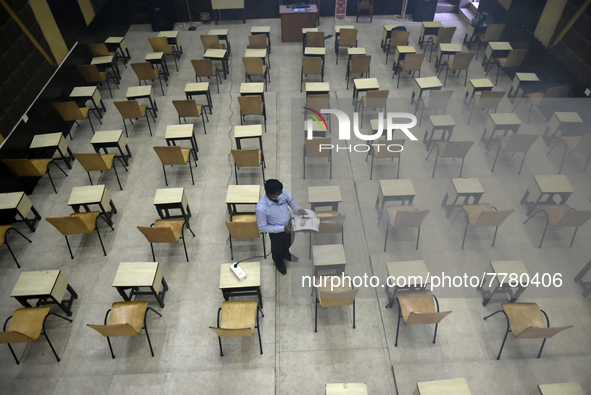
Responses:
[273,217]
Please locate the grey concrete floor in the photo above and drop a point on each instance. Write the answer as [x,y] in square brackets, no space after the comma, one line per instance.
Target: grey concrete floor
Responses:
[296,360]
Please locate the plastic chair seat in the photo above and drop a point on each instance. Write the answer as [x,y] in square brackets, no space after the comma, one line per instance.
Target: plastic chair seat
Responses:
[176,225]
[239,315]
[522,316]
[29,322]
[474,211]
[555,212]
[393,210]
[131,313]
[416,302]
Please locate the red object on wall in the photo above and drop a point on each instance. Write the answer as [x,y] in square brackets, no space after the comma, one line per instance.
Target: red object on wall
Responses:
[341,8]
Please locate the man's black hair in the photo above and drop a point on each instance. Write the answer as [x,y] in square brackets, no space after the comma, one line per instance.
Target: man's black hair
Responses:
[273,186]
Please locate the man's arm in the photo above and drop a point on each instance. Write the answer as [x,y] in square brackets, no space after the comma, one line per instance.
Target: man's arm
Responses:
[264,226]
[292,202]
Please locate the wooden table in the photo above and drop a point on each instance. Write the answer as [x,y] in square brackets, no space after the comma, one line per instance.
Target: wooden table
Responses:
[266,30]
[243,132]
[251,285]
[500,121]
[445,123]
[564,122]
[135,275]
[546,187]
[19,204]
[91,195]
[364,85]
[82,94]
[424,84]
[520,80]
[401,52]
[496,49]
[329,257]
[258,53]
[167,199]
[401,190]
[505,277]
[104,139]
[118,44]
[221,55]
[462,188]
[222,35]
[102,62]
[48,286]
[317,88]
[173,38]
[199,88]
[242,195]
[446,50]
[443,387]
[48,142]
[158,58]
[143,92]
[559,389]
[478,85]
[386,35]
[293,22]
[346,389]
[428,29]
[325,196]
[253,89]
[405,275]
[181,132]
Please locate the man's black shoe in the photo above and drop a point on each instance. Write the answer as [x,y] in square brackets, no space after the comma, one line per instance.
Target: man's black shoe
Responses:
[291,258]
[281,267]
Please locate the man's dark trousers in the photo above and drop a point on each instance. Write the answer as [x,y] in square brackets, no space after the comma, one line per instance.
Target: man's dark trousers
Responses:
[280,243]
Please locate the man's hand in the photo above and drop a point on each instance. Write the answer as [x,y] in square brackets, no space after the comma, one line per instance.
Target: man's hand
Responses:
[302,212]
[287,229]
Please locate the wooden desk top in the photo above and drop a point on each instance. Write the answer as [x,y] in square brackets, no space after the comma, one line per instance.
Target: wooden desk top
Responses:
[317,87]
[481,83]
[505,119]
[168,34]
[138,91]
[328,254]
[260,29]
[508,267]
[106,136]
[35,283]
[366,83]
[229,280]
[401,187]
[252,87]
[467,185]
[244,194]
[527,77]
[568,117]
[215,53]
[356,51]
[102,59]
[346,389]
[114,40]
[338,28]
[561,389]
[137,274]
[406,49]
[330,194]
[443,387]
[169,195]
[450,47]
[554,184]
[441,120]
[90,194]
[154,56]
[46,140]
[196,87]
[408,269]
[10,200]
[179,131]
[83,91]
[255,53]
[432,24]
[241,131]
[500,46]
[428,82]
[315,51]
[389,28]
[218,32]
[309,29]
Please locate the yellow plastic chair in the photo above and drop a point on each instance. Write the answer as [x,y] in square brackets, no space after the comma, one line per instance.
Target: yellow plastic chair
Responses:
[166,231]
[78,224]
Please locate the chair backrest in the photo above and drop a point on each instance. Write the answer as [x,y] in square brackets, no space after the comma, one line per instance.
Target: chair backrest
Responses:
[253,65]
[69,110]
[556,92]
[210,42]
[519,142]
[128,109]
[258,41]
[312,147]
[493,32]
[90,73]
[223,332]
[94,161]
[243,227]
[409,219]
[438,100]
[186,108]
[462,60]
[28,167]
[492,218]
[515,58]
[348,37]
[415,318]
[158,235]
[203,67]
[172,155]
[311,65]
[383,151]
[99,49]
[115,330]
[360,63]
[445,34]
[574,218]
[489,99]
[247,157]
[456,149]
[73,224]
[14,337]
[331,222]
[315,39]
[398,37]
[318,102]
[376,99]
[160,44]
[413,61]
[337,298]
[251,104]
[144,71]
[541,333]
